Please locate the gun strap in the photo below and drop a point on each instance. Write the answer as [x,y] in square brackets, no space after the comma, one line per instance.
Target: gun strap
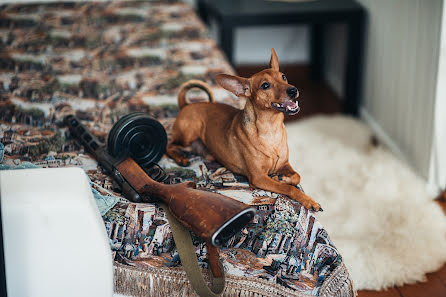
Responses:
[189,260]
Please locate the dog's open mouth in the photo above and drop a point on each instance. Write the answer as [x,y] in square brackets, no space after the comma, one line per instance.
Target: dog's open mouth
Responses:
[289,107]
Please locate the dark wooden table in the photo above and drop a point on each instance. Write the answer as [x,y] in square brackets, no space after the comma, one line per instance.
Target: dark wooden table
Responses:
[231,14]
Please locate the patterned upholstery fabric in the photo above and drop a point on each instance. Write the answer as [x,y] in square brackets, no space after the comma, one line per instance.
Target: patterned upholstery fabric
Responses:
[103,60]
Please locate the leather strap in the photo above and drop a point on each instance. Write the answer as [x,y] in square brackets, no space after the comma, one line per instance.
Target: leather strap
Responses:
[189,260]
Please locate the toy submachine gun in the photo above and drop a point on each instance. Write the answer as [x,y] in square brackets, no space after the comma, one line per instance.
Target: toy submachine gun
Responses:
[135,143]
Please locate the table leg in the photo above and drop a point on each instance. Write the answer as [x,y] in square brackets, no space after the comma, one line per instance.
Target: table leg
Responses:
[354,63]
[226,39]
[316,51]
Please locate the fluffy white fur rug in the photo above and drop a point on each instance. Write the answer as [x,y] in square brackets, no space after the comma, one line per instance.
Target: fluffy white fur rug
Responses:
[376,210]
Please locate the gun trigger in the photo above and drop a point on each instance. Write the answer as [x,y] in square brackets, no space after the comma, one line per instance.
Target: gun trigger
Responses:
[156,173]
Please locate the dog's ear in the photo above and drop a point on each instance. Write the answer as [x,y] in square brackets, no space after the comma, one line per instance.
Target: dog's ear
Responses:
[235,84]
[274,61]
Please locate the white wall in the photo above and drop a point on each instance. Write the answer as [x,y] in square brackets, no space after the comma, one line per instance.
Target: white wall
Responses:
[254,44]
[437,174]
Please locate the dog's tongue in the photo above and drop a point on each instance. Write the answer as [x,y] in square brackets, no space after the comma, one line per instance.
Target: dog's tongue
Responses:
[290,105]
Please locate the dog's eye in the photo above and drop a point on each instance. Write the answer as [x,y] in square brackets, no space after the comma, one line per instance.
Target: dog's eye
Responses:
[265,86]
[284,77]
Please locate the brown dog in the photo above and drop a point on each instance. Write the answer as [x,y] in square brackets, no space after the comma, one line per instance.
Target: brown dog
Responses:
[252,141]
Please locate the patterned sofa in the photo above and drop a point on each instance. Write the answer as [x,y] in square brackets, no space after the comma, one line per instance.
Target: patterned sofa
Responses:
[103,60]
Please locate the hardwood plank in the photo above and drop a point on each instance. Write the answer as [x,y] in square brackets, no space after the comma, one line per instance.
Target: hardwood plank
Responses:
[441,274]
[433,287]
[387,293]
[442,202]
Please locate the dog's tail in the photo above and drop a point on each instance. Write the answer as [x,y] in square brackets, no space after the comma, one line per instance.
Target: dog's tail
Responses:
[193,84]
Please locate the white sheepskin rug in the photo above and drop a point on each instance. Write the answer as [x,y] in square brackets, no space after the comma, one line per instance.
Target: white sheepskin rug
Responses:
[376,210]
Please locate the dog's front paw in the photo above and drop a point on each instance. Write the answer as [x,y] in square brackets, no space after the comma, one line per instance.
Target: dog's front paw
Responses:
[312,205]
[293,179]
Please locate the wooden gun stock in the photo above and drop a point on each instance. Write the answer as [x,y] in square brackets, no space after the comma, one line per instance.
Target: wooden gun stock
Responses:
[211,216]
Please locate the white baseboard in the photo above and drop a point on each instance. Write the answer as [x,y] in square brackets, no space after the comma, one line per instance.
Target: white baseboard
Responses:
[388,142]
[382,135]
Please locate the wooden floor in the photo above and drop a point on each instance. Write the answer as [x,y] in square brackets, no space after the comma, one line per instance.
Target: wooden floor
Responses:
[318,98]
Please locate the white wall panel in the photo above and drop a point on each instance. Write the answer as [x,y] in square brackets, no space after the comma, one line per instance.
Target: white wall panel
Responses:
[437,176]
[401,74]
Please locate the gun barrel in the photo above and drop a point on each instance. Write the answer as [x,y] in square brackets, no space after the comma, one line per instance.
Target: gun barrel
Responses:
[87,139]
[96,148]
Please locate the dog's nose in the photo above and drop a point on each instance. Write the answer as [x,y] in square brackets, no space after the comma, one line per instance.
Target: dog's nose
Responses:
[291,92]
